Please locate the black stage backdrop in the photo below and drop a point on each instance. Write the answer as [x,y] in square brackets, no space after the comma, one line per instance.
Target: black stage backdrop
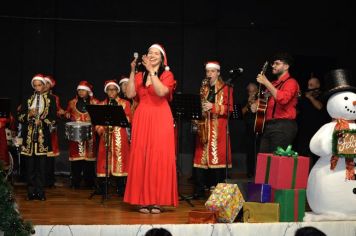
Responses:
[95,41]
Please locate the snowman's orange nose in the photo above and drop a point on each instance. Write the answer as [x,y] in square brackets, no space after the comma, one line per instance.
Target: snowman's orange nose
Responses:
[354,103]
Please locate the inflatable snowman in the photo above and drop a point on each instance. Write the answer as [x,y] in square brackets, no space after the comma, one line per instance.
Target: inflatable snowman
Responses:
[331,190]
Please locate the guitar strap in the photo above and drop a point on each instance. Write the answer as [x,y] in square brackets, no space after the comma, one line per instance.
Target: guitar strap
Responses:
[278,86]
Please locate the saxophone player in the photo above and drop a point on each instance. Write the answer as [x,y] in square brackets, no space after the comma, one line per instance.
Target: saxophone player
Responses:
[210,151]
[37,114]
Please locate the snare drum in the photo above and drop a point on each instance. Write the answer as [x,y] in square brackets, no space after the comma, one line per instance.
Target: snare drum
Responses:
[78,131]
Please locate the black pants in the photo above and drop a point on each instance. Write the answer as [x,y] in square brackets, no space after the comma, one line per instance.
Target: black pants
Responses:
[50,166]
[207,178]
[35,171]
[85,169]
[279,132]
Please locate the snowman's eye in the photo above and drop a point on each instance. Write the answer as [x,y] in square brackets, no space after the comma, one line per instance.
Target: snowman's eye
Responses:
[346,98]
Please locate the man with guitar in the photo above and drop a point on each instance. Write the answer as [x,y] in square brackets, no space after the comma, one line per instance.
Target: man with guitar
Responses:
[280,127]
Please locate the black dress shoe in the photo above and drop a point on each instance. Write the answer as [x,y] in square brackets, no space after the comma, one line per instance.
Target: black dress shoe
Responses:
[31,196]
[41,196]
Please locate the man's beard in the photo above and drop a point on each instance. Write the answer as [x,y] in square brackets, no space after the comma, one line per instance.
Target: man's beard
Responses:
[279,73]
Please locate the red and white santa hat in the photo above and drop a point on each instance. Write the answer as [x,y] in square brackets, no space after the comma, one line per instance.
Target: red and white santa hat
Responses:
[111,82]
[123,80]
[212,65]
[85,85]
[49,79]
[38,77]
[161,49]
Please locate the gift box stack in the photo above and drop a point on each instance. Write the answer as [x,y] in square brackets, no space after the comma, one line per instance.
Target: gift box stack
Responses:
[226,200]
[281,177]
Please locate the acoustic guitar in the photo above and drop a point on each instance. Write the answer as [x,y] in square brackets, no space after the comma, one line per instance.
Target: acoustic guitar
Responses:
[262,99]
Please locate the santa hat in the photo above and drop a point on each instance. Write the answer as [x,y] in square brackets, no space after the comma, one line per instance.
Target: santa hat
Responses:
[38,77]
[123,80]
[161,49]
[49,79]
[212,65]
[85,85]
[111,82]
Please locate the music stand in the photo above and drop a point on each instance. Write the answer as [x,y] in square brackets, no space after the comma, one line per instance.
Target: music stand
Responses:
[235,115]
[107,115]
[187,107]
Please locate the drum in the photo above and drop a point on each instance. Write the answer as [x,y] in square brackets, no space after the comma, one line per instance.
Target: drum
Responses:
[78,131]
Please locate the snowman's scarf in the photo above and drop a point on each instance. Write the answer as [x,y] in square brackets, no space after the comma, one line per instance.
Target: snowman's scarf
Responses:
[342,124]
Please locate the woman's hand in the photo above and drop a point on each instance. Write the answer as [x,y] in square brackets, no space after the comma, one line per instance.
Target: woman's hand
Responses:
[133,65]
[147,64]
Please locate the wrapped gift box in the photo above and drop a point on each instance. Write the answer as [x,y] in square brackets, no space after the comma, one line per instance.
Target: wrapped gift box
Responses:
[282,172]
[291,204]
[254,212]
[227,200]
[258,192]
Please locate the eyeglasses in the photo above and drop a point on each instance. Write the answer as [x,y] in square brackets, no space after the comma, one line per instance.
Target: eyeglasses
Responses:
[113,89]
[277,63]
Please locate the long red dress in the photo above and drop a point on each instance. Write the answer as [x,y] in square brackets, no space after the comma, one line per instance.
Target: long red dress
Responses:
[152,173]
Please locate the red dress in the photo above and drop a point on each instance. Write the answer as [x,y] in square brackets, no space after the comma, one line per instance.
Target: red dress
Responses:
[152,173]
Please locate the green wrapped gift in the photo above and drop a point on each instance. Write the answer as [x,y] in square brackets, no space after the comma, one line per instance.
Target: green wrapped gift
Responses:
[291,204]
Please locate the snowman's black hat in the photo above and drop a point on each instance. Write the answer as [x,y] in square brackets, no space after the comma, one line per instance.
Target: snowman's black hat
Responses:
[337,81]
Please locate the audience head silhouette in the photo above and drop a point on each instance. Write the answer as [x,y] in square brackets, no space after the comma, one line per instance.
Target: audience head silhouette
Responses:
[158,232]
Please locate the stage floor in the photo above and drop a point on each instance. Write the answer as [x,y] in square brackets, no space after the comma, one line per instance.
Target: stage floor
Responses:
[65,205]
[70,212]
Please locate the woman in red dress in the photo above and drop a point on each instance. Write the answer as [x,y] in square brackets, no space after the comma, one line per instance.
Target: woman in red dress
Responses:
[152,180]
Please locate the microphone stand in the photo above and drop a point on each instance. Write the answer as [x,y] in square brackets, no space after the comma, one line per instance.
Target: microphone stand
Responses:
[230,85]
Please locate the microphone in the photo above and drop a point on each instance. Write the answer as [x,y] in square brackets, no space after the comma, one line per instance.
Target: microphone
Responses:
[237,71]
[139,65]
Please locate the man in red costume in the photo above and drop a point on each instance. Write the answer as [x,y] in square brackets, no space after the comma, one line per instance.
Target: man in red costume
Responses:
[50,163]
[119,149]
[280,127]
[82,154]
[210,152]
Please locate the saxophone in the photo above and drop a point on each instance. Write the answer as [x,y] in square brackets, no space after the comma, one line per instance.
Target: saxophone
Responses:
[202,125]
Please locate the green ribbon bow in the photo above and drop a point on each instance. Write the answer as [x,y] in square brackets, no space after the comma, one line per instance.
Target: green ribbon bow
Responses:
[288,152]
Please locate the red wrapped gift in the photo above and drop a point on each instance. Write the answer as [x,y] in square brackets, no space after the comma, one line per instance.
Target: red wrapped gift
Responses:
[282,172]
